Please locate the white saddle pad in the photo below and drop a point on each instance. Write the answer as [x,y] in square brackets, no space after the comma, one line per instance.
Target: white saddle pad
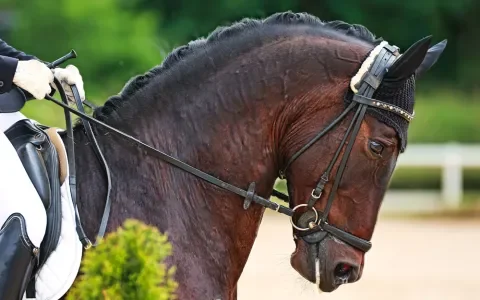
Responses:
[56,276]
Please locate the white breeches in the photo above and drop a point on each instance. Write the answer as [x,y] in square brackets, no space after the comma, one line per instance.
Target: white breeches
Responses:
[17,193]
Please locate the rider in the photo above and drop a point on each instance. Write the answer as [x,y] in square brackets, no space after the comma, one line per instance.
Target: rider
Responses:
[23,217]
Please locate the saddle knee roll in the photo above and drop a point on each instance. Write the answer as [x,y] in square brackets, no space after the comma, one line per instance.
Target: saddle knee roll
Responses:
[18,258]
[36,170]
[28,142]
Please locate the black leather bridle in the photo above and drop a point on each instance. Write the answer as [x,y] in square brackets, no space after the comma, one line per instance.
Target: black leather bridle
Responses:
[314,225]
[317,227]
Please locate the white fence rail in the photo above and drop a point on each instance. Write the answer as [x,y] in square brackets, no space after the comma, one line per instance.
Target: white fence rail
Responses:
[451,158]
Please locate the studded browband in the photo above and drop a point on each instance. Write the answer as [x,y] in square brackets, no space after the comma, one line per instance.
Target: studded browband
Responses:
[385,106]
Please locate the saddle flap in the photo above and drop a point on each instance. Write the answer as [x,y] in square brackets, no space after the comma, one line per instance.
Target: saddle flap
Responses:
[40,160]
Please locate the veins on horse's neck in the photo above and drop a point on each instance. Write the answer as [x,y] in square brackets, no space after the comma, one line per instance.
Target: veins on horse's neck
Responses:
[208,228]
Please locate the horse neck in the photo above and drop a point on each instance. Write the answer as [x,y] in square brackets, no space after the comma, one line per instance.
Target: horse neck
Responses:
[208,227]
[230,128]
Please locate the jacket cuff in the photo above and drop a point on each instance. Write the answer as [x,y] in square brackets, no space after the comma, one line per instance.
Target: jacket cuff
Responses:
[8,67]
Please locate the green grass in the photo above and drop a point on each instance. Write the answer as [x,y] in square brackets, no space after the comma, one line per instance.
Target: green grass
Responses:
[446,116]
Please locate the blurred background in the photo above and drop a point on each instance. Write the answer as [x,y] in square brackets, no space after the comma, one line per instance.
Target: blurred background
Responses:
[428,228]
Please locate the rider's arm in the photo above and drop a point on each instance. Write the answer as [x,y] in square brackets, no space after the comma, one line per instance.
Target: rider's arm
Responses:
[9,58]
[30,75]
[8,65]
[7,50]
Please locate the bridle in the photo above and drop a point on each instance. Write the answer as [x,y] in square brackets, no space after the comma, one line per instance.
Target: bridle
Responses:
[317,226]
[314,226]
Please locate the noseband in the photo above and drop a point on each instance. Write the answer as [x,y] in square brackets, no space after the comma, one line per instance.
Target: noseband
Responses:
[313,226]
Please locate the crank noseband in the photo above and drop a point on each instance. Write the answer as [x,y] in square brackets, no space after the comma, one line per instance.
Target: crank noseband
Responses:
[312,226]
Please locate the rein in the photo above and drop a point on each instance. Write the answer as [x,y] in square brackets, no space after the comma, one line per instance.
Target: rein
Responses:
[316,221]
[248,195]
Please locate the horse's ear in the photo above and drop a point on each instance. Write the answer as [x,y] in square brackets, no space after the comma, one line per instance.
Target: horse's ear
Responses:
[409,62]
[431,58]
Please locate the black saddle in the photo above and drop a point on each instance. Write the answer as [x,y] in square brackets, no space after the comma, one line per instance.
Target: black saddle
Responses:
[41,161]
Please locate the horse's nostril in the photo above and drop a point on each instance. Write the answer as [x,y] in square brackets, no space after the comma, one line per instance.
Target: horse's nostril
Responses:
[343,271]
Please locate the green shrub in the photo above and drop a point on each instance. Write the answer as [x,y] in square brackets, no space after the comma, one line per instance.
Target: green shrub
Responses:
[127,264]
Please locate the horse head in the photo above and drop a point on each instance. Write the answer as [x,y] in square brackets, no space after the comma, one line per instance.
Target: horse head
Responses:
[340,142]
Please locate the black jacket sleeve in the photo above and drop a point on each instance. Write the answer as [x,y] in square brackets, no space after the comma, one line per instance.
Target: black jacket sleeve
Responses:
[9,58]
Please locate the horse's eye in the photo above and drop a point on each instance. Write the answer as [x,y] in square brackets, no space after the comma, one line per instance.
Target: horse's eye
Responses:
[376,147]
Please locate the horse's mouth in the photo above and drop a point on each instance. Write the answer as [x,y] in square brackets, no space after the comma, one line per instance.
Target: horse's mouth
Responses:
[325,284]
[312,263]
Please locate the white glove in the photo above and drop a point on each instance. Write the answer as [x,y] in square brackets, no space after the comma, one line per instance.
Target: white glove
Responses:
[67,76]
[34,77]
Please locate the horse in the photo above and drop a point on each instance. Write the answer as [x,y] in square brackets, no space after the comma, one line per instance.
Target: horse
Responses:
[254,101]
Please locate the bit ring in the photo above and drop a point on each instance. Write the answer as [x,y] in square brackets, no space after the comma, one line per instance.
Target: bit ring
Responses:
[306,228]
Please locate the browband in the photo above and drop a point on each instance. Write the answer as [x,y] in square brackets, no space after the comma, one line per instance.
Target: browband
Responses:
[385,106]
[364,75]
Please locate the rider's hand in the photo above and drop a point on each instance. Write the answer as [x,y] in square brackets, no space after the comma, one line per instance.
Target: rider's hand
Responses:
[34,77]
[67,76]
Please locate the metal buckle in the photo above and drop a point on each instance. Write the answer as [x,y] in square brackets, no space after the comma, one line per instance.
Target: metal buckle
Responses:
[293,211]
[88,245]
[316,196]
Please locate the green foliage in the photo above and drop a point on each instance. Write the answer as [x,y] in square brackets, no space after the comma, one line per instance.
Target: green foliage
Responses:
[127,265]
[117,39]
[399,22]
[113,43]
[444,116]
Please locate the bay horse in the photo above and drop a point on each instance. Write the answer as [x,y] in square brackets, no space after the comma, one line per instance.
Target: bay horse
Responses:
[251,102]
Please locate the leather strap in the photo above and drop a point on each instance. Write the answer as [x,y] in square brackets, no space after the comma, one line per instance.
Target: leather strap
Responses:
[358,122]
[71,165]
[385,106]
[369,84]
[282,173]
[102,161]
[316,194]
[177,163]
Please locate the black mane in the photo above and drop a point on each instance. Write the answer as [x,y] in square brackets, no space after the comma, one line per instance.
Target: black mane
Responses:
[358,32]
